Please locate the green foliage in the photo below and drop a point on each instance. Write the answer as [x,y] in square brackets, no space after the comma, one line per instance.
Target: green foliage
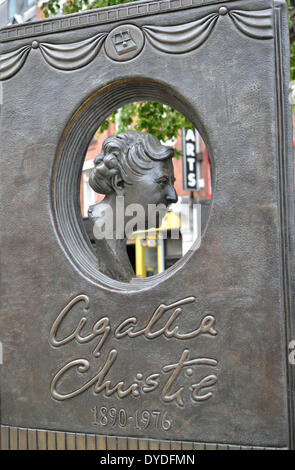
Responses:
[156,118]
[292,41]
[52,7]
[292,60]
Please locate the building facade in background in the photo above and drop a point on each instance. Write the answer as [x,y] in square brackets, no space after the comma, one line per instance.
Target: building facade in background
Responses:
[18,11]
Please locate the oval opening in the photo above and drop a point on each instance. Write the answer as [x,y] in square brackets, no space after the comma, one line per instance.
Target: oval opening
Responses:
[151,248]
[68,167]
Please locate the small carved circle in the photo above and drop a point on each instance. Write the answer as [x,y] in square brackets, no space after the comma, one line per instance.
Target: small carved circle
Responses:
[35,44]
[139,376]
[223,11]
[124,42]
[189,372]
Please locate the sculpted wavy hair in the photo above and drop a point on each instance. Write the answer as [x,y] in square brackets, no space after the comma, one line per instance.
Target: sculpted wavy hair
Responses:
[127,155]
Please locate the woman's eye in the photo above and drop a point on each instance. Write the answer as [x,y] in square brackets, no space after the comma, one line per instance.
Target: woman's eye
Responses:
[163,181]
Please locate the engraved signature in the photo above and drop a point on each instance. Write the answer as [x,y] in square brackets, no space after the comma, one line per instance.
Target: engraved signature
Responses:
[128,328]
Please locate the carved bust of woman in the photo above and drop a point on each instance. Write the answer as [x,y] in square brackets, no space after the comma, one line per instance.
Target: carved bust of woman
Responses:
[135,172]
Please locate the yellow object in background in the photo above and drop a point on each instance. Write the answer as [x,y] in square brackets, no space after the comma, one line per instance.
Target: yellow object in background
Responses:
[149,247]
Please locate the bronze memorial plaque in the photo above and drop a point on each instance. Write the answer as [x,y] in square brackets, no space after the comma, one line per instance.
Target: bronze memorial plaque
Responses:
[196,356]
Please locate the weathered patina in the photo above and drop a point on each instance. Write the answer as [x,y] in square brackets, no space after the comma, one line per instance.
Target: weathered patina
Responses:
[197,354]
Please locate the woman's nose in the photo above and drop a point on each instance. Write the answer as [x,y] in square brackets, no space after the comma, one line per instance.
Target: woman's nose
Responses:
[171,196]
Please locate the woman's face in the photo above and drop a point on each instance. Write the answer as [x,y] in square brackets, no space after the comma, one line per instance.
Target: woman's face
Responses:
[155,187]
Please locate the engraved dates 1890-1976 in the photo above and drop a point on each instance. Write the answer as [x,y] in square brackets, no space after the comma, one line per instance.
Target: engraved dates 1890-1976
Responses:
[139,419]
